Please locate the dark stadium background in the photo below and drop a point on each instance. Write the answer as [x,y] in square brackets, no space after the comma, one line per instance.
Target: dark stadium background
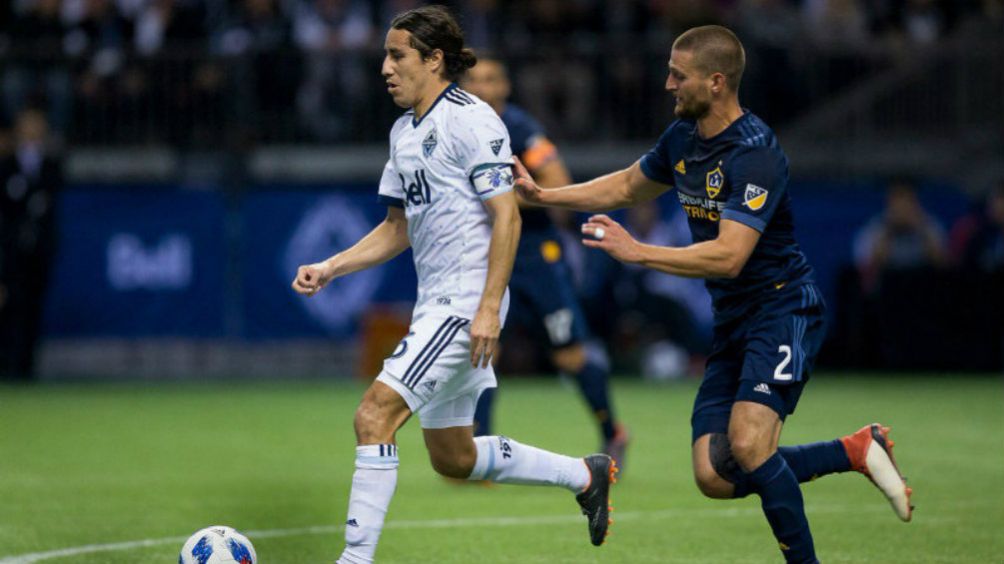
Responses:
[199,150]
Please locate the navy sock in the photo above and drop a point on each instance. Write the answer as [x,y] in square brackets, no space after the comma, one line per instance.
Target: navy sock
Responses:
[592,381]
[483,413]
[781,500]
[807,462]
[811,461]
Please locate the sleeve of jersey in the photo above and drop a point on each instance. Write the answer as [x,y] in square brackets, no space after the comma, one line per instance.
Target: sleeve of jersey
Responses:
[539,151]
[391,192]
[655,163]
[758,182]
[484,152]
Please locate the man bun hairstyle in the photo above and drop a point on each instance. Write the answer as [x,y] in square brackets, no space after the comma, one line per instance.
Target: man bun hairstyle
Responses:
[715,49]
[434,27]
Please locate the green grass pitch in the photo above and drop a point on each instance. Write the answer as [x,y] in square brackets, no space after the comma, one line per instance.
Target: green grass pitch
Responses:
[92,465]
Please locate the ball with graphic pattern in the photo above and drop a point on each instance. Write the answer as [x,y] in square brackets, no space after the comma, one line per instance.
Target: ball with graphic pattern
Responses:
[217,545]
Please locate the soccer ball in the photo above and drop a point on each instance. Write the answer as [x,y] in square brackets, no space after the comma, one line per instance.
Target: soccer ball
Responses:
[217,545]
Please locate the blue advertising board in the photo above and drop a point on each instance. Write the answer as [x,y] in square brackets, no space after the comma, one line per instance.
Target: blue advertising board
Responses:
[283,229]
[138,262]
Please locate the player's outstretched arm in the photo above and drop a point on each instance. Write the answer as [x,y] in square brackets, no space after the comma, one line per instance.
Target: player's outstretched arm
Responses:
[723,257]
[385,242]
[486,326]
[623,188]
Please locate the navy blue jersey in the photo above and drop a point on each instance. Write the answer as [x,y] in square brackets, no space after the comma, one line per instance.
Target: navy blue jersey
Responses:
[741,174]
[530,144]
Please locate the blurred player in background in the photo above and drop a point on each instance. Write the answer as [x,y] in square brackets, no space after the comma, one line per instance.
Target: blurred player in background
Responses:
[731,178]
[543,296]
[448,188]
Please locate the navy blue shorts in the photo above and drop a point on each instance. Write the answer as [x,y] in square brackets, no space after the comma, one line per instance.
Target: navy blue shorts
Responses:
[543,297]
[763,357]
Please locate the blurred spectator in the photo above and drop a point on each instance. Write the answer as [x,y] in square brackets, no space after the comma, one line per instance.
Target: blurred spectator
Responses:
[481,18]
[836,26]
[263,70]
[6,24]
[104,37]
[39,71]
[903,237]
[101,41]
[172,75]
[31,177]
[978,239]
[177,24]
[551,82]
[142,71]
[335,80]
[623,81]
[770,29]
[924,21]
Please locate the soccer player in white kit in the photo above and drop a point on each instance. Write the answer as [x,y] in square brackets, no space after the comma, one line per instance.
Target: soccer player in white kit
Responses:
[448,187]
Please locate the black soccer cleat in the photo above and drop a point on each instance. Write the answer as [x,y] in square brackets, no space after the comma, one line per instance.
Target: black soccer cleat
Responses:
[595,499]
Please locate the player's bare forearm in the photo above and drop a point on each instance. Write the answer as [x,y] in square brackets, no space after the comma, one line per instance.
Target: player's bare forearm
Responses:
[383,243]
[551,174]
[616,190]
[709,259]
[601,194]
[723,257]
[506,225]
[487,325]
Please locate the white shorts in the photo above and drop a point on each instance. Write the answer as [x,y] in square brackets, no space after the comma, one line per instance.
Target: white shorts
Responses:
[431,369]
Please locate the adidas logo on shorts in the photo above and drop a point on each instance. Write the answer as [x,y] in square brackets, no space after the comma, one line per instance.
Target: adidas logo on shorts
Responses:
[762,388]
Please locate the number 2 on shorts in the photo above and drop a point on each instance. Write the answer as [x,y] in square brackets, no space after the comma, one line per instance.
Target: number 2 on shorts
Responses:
[779,373]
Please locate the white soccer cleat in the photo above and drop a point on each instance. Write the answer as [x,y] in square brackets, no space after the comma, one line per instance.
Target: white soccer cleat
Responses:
[870,452]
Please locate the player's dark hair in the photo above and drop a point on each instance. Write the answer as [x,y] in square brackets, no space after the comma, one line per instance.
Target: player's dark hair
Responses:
[434,27]
[715,49]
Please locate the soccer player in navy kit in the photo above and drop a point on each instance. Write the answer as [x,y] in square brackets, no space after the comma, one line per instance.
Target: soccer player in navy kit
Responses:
[731,177]
[543,295]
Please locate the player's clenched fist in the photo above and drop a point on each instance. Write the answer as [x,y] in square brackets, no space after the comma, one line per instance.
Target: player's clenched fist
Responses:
[311,278]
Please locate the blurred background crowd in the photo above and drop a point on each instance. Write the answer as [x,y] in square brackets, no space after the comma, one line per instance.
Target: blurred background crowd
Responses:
[179,71]
[165,164]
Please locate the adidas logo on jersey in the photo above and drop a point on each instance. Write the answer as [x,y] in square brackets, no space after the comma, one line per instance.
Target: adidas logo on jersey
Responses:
[496,145]
[351,523]
[762,388]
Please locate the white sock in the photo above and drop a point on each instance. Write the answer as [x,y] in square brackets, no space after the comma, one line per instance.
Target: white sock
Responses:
[373,486]
[503,460]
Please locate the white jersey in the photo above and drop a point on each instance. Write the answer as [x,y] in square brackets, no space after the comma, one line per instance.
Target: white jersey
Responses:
[441,169]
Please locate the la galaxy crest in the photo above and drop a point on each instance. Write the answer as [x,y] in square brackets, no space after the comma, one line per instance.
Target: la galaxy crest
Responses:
[714,182]
[754,197]
[496,145]
[429,143]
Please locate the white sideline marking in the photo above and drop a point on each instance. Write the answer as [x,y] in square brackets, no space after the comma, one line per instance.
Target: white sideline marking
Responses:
[33,557]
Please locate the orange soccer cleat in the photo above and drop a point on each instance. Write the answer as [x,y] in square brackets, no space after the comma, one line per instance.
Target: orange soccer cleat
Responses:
[870,452]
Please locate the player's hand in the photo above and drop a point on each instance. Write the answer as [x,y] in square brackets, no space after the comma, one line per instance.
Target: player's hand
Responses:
[484,337]
[310,278]
[613,238]
[525,187]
